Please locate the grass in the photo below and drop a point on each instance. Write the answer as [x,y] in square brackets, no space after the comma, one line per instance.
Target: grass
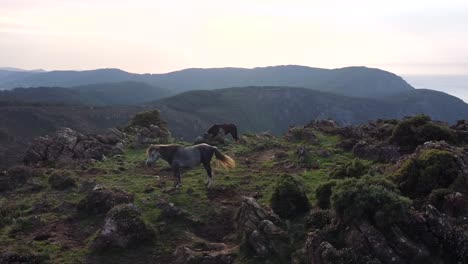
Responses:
[127,172]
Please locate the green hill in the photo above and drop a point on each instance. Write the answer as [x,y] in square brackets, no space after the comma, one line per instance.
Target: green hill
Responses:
[256,109]
[350,81]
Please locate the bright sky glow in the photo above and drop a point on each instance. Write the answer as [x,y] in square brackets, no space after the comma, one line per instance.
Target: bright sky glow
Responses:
[402,36]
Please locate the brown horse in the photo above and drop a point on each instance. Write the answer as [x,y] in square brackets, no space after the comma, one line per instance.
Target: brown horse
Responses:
[188,157]
[227,128]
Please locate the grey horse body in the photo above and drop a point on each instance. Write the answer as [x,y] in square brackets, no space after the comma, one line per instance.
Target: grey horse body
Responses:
[188,157]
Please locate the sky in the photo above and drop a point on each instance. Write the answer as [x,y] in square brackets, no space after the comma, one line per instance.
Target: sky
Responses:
[409,37]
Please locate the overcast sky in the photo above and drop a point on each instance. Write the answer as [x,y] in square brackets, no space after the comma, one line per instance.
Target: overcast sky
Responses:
[402,36]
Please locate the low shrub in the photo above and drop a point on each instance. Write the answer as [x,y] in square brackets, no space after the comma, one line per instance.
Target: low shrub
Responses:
[431,169]
[353,169]
[374,199]
[323,194]
[148,118]
[289,198]
[414,131]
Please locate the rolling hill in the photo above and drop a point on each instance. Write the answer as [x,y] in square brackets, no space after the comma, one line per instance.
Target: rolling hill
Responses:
[100,94]
[351,81]
[256,109]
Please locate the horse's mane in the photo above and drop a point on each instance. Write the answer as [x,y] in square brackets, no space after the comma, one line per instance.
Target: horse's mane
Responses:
[161,146]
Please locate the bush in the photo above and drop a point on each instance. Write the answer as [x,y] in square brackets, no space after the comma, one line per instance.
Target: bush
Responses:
[289,198]
[437,197]
[319,219]
[373,199]
[414,131]
[431,169]
[323,194]
[148,118]
[352,169]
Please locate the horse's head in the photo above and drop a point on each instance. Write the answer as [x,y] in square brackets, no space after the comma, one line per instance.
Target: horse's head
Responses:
[153,155]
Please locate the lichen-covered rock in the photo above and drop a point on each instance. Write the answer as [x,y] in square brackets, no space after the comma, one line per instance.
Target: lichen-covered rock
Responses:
[123,228]
[101,200]
[382,152]
[261,232]
[185,255]
[268,239]
[68,146]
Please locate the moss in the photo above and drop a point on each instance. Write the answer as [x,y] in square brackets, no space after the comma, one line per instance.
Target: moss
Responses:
[148,118]
[373,199]
[432,169]
[353,169]
[289,199]
[323,194]
[414,131]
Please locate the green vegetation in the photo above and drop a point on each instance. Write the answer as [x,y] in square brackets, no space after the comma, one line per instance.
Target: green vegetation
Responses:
[431,169]
[269,169]
[370,198]
[353,169]
[289,199]
[323,194]
[148,118]
[414,131]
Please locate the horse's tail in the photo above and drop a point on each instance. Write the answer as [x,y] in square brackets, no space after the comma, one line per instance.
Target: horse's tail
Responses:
[224,160]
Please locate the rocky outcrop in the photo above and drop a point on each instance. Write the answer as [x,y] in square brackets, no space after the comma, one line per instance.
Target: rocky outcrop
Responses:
[123,228]
[185,255]
[101,200]
[144,136]
[323,125]
[68,146]
[298,134]
[382,152]
[261,232]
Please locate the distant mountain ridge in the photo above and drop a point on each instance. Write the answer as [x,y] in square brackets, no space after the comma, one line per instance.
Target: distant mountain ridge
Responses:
[256,109]
[99,94]
[351,81]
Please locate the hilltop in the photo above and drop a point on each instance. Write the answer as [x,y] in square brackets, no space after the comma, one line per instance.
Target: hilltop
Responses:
[291,199]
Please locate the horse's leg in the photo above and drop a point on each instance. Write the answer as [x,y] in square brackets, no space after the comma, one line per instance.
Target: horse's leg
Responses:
[209,179]
[178,182]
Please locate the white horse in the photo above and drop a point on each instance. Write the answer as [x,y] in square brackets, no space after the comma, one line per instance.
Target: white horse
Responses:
[188,157]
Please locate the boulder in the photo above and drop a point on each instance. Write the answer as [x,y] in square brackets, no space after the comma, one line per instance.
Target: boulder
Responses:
[261,232]
[123,228]
[68,146]
[298,134]
[382,152]
[101,200]
[185,255]
[323,125]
